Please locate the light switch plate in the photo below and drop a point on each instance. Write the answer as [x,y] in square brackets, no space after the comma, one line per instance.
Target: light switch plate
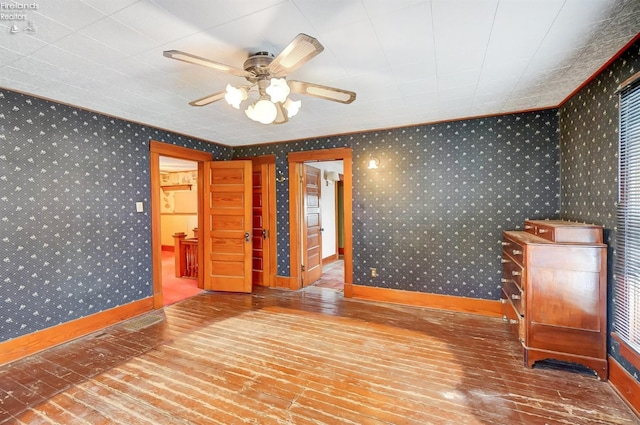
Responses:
[139,207]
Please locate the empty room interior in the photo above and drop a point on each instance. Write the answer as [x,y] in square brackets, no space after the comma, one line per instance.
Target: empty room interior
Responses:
[320,212]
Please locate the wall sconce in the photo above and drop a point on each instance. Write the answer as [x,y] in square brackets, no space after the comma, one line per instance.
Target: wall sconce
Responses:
[280,177]
[331,176]
[374,163]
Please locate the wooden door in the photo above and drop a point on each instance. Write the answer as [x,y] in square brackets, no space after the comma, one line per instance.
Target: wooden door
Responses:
[227,226]
[261,254]
[312,229]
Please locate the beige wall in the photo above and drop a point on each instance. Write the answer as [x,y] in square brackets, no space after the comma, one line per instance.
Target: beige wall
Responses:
[175,223]
[178,207]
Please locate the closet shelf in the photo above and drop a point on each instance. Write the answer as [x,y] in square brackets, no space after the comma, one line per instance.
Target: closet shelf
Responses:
[174,187]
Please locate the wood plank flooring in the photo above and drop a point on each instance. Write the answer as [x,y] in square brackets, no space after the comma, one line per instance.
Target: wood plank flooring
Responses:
[304,357]
[332,276]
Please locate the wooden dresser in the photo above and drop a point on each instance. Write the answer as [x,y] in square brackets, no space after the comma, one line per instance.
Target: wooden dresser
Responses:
[554,292]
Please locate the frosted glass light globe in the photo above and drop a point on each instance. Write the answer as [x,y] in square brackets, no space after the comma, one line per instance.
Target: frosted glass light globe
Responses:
[278,90]
[235,96]
[262,111]
[292,107]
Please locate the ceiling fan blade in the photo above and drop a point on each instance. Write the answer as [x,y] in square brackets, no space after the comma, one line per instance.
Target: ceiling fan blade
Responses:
[209,99]
[302,49]
[323,92]
[197,60]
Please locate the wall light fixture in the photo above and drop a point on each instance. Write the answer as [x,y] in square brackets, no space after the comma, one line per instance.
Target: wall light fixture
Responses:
[331,176]
[374,163]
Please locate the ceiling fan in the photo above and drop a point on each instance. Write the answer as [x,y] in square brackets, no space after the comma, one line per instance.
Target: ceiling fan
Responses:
[267,73]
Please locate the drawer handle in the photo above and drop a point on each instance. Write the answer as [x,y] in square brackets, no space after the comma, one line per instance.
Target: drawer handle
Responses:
[505,243]
[503,280]
[503,301]
[516,273]
[516,252]
[527,227]
[505,261]
[513,321]
[543,230]
[515,296]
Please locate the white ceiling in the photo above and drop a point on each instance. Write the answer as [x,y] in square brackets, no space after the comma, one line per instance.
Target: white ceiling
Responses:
[409,61]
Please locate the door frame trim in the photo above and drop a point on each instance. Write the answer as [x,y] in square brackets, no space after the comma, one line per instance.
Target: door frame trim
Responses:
[157,149]
[295,223]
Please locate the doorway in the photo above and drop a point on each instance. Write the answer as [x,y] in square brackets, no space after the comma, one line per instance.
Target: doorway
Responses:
[156,150]
[179,228]
[296,211]
[328,202]
[266,165]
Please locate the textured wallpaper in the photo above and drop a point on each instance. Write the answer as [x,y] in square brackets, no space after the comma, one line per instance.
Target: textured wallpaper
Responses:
[431,217]
[589,149]
[72,241]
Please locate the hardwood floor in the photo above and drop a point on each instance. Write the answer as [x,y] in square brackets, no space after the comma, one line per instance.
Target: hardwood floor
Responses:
[332,276]
[304,357]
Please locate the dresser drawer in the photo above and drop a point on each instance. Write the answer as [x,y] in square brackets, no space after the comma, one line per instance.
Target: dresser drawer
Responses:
[512,271]
[539,228]
[513,250]
[564,231]
[529,227]
[511,316]
[512,292]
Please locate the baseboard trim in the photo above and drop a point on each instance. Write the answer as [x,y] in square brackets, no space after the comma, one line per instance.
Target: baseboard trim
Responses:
[158,300]
[285,282]
[348,290]
[330,259]
[625,385]
[423,299]
[32,343]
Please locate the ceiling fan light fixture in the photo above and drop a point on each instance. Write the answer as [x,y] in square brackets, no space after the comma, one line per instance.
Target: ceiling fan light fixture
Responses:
[292,107]
[263,111]
[278,90]
[268,73]
[235,96]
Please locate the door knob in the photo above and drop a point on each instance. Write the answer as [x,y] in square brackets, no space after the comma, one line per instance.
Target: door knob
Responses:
[264,233]
[247,237]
